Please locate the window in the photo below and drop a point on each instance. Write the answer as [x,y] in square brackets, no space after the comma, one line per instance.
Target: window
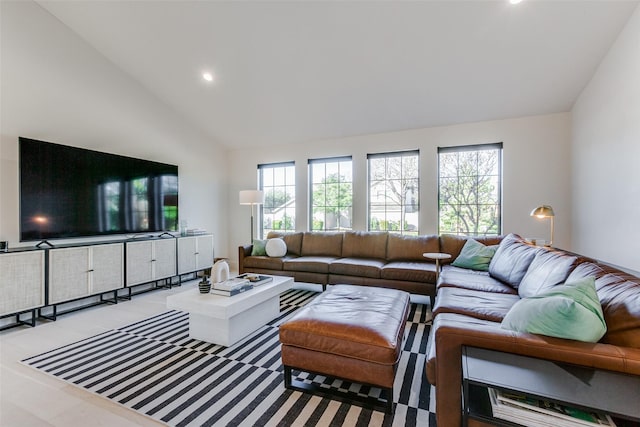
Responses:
[331,194]
[470,189]
[279,185]
[393,192]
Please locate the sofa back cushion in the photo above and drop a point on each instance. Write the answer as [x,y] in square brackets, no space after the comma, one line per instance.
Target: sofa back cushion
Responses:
[293,241]
[619,294]
[411,248]
[322,244]
[362,244]
[549,268]
[452,244]
[512,259]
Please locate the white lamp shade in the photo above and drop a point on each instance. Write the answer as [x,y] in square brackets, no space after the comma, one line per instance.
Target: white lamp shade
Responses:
[251,197]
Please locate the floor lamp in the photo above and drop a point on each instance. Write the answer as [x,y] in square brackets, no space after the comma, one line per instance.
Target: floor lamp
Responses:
[253,198]
[545,211]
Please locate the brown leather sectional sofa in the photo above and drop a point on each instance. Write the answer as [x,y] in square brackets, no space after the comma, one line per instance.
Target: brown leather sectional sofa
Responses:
[470,306]
[357,258]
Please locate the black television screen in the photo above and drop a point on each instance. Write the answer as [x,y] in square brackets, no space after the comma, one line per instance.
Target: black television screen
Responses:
[73,192]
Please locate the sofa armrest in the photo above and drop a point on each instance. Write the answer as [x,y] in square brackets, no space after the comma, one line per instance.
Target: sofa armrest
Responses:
[454,331]
[243,251]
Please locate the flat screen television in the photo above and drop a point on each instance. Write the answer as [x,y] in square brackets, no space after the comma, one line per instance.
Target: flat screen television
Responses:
[68,192]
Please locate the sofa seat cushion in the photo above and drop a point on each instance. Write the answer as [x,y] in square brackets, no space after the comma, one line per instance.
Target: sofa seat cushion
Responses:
[364,244]
[410,271]
[309,264]
[548,269]
[456,277]
[512,259]
[357,267]
[265,262]
[477,304]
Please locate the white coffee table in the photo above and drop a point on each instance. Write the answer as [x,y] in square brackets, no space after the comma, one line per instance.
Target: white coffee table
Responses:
[226,320]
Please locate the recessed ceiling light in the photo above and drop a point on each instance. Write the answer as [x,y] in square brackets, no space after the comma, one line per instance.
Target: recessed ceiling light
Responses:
[207,76]
[514,1]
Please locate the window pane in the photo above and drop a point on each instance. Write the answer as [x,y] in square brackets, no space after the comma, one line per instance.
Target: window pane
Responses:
[278,176]
[317,174]
[394,189]
[469,189]
[331,195]
[377,169]
[279,209]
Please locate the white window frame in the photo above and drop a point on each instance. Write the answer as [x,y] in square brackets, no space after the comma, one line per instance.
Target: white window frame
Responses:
[493,210]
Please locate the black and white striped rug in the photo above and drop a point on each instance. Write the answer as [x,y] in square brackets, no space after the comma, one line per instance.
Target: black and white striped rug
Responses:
[153,367]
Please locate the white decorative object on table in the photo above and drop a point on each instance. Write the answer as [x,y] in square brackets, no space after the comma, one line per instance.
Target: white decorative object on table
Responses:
[220,271]
[276,248]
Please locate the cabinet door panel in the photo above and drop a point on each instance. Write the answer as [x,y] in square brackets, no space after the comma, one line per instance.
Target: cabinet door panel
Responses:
[186,254]
[107,265]
[205,252]
[68,274]
[165,258]
[139,264]
[21,281]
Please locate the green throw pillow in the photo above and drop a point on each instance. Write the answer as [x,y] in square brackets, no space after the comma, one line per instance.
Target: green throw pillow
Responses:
[259,248]
[570,311]
[475,256]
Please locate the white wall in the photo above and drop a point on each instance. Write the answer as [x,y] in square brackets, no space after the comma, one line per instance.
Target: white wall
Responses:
[57,88]
[606,156]
[535,154]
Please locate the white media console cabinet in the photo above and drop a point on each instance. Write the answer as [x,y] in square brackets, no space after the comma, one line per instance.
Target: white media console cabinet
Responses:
[34,281]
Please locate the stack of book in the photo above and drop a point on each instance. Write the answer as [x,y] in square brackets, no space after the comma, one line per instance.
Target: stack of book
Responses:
[532,412]
[195,231]
[231,287]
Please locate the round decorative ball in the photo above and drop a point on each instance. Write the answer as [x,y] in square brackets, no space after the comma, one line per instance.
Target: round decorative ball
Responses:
[276,247]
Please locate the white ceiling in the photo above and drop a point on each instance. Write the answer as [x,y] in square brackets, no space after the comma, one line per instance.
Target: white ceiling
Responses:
[299,71]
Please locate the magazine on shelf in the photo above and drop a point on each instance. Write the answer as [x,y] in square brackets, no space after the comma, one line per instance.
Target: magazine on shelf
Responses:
[231,284]
[534,412]
[256,279]
[233,292]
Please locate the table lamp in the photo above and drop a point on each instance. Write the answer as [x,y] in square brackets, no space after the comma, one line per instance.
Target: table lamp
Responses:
[545,211]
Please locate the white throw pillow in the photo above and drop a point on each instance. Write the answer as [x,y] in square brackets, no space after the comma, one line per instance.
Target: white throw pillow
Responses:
[276,248]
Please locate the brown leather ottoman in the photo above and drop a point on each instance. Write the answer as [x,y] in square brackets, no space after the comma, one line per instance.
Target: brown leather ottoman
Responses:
[349,332]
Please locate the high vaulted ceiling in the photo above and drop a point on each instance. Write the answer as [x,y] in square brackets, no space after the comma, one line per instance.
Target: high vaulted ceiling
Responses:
[299,71]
